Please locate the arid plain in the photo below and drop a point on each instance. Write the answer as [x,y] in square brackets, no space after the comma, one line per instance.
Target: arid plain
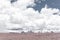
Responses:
[29,36]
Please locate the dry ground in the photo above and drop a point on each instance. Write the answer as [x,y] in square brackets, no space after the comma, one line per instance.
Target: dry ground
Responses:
[30,36]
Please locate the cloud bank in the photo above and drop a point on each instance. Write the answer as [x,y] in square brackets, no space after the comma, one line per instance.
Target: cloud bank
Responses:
[16,17]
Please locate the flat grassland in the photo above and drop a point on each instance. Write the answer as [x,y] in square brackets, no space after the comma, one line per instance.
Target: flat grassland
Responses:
[29,36]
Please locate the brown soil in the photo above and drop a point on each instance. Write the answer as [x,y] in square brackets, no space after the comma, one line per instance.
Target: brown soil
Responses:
[30,36]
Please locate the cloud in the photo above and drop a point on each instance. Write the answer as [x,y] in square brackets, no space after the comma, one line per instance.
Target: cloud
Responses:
[17,15]
[22,4]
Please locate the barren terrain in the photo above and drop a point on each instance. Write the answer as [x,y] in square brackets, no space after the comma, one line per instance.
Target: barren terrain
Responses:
[30,36]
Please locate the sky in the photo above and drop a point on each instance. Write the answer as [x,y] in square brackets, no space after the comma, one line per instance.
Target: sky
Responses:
[31,15]
[51,4]
[41,3]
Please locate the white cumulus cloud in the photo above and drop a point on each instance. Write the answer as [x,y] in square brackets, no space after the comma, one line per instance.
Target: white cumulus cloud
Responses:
[17,15]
